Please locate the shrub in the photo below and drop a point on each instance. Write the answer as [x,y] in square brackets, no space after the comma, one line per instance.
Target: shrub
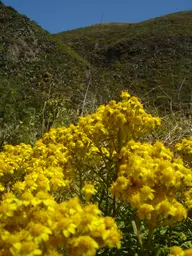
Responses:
[63,195]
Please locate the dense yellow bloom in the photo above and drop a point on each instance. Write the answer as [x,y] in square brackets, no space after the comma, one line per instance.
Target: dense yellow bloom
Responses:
[125,95]
[176,251]
[83,246]
[89,190]
[2,188]
[188,252]
[150,179]
[145,211]
[45,222]
[185,149]
[39,232]
[39,185]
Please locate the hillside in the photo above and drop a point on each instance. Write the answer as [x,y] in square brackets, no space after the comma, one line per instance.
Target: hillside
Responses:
[152,58]
[37,73]
[45,78]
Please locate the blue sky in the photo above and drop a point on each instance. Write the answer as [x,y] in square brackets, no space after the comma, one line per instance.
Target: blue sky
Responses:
[60,15]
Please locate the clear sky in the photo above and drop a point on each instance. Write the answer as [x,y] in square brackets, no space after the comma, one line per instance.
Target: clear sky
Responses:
[60,15]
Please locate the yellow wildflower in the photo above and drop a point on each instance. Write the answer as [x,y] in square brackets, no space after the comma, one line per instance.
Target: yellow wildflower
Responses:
[176,251]
[145,211]
[83,245]
[89,191]
[188,252]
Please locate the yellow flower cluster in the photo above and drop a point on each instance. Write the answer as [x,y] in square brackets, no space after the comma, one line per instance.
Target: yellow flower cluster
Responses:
[95,142]
[89,190]
[117,123]
[30,221]
[153,182]
[106,131]
[100,149]
[178,251]
[43,167]
[11,161]
[185,149]
[37,225]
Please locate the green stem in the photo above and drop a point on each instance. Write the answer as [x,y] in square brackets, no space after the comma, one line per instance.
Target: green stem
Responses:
[114,207]
[150,237]
[136,230]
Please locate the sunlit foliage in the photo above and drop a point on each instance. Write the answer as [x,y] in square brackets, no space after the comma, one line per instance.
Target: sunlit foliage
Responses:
[63,195]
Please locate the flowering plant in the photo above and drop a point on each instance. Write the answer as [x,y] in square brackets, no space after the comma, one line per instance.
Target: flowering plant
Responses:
[63,195]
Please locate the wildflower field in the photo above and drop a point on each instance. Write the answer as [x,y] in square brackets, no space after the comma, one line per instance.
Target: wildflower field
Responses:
[100,187]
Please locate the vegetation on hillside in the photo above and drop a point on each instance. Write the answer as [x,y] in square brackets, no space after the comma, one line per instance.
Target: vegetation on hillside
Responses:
[37,75]
[48,80]
[152,58]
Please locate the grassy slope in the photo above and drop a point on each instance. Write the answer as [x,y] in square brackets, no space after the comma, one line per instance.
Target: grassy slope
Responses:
[34,67]
[152,58]
[27,50]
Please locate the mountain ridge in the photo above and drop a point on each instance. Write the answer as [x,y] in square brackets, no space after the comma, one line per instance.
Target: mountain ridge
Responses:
[141,53]
[125,23]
